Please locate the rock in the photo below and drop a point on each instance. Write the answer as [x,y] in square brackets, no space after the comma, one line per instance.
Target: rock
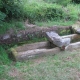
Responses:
[57,40]
[73,46]
[6,36]
[78,31]
[76,27]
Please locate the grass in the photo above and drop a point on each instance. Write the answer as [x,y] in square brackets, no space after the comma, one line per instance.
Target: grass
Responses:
[62,66]
[56,22]
[15,25]
[3,56]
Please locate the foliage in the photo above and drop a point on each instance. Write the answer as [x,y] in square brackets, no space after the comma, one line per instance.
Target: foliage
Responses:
[2,16]
[76,1]
[3,56]
[10,8]
[64,2]
[34,10]
[38,11]
[61,2]
[54,22]
[13,25]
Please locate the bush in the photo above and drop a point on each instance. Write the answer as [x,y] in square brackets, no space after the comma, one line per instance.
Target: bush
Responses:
[61,2]
[10,8]
[45,11]
[2,16]
[76,1]
[36,12]
[3,56]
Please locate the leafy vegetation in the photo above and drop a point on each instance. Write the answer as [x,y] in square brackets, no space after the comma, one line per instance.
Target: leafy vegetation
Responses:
[76,1]
[54,23]
[3,56]
[37,11]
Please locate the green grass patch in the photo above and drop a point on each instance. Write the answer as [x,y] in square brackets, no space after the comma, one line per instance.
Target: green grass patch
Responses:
[13,24]
[62,66]
[53,23]
[3,56]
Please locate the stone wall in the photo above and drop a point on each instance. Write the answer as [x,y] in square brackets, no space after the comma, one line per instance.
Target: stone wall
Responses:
[30,33]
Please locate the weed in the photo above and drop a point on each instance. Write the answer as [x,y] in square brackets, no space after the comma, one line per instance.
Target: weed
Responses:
[15,25]
[3,56]
[54,23]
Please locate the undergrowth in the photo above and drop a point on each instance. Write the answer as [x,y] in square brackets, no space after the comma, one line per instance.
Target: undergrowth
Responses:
[11,25]
[41,11]
[3,56]
[54,23]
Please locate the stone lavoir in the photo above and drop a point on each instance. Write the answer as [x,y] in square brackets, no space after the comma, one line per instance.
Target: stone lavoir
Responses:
[39,49]
[29,51]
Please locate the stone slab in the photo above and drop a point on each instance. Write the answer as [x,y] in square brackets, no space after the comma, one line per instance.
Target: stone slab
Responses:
[54,38]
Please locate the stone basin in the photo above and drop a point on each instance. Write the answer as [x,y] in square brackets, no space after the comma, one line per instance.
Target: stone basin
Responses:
[30,51]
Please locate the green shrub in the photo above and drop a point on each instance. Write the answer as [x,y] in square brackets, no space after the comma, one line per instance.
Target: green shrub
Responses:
[73,11]
[76,1]
[10,8]
[2,16]
[50,1]
[62,2]
[3,56]
[37,12]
